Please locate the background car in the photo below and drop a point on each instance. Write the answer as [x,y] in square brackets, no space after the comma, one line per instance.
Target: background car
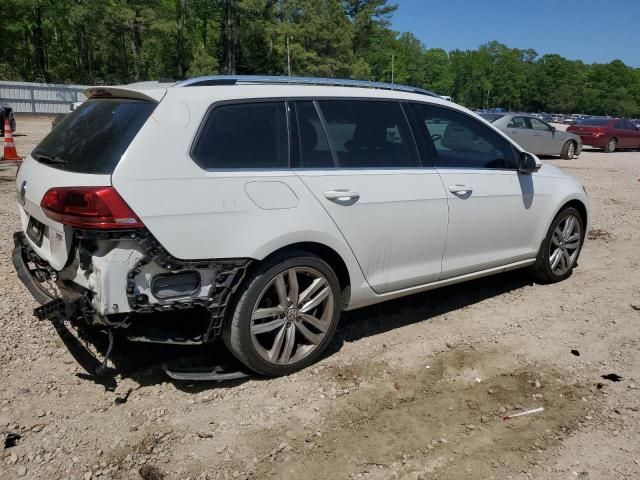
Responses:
[7,113]
[537,136]
[609,134]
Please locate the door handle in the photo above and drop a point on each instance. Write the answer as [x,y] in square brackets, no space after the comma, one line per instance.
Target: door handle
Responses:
[341,195]
[461,190]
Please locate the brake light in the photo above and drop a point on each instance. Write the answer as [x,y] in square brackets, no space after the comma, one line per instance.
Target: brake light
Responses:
[598,133]
[89,207]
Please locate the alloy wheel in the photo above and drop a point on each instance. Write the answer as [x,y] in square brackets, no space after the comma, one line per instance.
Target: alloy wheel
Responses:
[571,150]
[611,145]
[292,315]
[565,245]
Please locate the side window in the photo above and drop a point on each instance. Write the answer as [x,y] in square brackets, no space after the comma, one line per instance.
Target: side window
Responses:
[245,135]
[461,141]
[314,146]
[369,134]
[618,124]
[518,122]
[631,126]
[539,125]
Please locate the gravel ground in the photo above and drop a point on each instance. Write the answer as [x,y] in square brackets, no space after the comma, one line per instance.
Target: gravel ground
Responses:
[412,389]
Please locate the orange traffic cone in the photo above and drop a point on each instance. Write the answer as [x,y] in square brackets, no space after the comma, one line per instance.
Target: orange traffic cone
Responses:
[10,152]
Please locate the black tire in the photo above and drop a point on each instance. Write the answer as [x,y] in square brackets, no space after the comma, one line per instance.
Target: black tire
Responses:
[237,329]
[611,145]
[565,153]
[542,270]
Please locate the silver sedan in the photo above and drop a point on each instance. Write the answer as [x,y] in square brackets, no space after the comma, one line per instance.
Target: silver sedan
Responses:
[535,135]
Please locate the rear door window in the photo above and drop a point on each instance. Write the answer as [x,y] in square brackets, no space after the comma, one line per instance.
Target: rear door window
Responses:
[245,135]
[315,151]
[537,124]
[461,141]
[93,138]
[369,134]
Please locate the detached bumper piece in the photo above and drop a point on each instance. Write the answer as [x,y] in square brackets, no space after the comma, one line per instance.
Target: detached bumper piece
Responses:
[21,256]
[51,308]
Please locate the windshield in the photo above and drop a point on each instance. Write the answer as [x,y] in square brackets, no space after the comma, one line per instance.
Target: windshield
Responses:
[93,137]
[594,122]
[491,117]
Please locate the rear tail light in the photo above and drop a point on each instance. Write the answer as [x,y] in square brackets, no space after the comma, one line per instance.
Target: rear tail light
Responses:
[598,133]
[89,207]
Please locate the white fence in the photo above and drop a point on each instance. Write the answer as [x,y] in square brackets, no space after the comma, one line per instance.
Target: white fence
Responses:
[46,98]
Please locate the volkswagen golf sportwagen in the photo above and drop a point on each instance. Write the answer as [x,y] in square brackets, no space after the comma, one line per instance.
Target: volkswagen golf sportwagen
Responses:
[259,208]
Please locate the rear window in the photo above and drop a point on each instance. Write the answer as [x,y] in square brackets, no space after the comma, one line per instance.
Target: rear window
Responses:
[491,117]
[593,122]
[93,137]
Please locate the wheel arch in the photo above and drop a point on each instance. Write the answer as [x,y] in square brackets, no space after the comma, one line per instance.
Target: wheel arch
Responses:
[582,210]
[327,254]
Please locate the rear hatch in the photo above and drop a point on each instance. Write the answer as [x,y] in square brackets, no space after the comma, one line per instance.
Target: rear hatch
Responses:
[82,151]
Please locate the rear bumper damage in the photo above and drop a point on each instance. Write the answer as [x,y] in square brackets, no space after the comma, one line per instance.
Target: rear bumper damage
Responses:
[116,279]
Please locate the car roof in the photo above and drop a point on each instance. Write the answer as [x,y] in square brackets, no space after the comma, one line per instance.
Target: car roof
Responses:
[253,86]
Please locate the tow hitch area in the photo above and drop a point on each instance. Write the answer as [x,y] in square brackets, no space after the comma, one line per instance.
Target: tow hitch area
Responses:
[57,309]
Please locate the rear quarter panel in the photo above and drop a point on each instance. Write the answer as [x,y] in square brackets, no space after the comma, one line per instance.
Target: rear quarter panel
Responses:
[200,214]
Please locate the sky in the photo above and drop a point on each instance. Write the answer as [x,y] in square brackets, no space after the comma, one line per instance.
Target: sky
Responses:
[594,31]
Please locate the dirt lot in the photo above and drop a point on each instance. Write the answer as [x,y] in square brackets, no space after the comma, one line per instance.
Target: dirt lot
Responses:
[412,389]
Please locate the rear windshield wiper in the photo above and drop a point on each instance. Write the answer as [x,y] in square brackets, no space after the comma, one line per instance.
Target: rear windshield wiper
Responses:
[41,157]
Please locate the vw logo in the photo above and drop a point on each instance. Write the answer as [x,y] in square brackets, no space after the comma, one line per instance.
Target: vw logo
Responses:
[23,192]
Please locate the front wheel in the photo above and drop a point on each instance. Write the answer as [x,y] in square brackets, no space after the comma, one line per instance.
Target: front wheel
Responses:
[610,147]
[285,315]
[561,247]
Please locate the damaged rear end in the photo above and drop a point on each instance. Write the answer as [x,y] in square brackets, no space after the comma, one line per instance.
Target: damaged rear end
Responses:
[83,253]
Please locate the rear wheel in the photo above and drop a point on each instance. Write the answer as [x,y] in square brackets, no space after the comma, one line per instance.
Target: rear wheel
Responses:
[568,150]
[610,147]
[560,249]
[286,314]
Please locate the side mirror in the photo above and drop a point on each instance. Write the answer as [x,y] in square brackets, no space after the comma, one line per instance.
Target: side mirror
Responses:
[527,163]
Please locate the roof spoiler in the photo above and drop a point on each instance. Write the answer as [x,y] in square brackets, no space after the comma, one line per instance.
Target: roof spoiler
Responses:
[149,94]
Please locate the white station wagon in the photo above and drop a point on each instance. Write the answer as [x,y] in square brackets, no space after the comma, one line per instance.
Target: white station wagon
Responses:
[265,206]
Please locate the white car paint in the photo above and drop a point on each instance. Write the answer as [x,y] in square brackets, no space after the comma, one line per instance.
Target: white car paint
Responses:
[406,232]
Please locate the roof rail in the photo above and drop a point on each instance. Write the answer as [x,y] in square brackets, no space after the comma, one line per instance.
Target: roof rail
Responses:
[278,80]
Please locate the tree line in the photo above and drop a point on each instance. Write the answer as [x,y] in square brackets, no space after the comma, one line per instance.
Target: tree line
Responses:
[124,41]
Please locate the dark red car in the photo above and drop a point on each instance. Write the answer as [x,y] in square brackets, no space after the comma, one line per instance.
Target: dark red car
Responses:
[607,133]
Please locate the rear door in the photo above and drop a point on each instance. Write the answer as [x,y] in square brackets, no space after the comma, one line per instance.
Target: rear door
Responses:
[360,160]
[545,141]
[494,211]
[634,135]
[623,135]
[83,150]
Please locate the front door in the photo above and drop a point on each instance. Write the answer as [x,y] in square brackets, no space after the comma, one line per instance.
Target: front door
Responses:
[493,210]
[359,159]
